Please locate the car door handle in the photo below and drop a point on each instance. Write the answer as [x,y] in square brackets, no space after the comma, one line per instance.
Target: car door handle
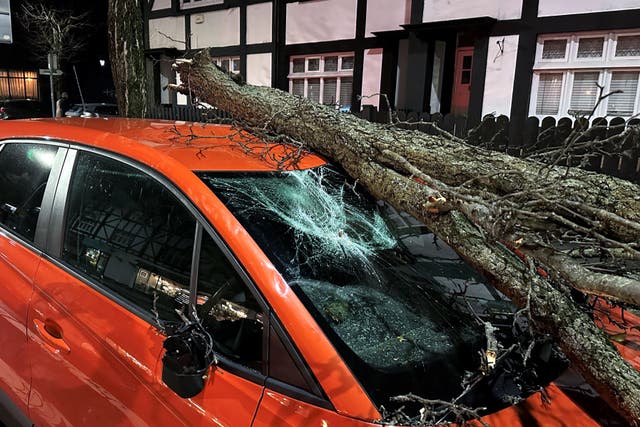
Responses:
[51,333]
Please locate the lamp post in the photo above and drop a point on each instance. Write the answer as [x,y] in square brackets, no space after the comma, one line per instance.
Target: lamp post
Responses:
[53,65]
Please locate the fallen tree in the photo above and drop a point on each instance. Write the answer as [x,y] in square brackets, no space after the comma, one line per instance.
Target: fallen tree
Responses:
[483,204]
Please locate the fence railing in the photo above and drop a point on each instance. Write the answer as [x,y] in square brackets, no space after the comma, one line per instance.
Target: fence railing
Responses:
[187,113]
[492,133]
[537,136]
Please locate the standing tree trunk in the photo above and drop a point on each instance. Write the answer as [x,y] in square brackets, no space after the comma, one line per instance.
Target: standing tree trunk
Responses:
[474,199]
[126,53]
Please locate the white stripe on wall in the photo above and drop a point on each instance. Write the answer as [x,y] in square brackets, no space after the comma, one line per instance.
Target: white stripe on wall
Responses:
[501,70]
[385,15]
[161,4]
[218,28]
[321,20]
[444,10]
[259,69]
[555,7]
[259,23]
[171,27]
[371,75]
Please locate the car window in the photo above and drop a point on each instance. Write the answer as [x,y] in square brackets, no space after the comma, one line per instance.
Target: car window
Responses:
[131,234]
[24,171]
[128,232]
[401,308]
[228,309]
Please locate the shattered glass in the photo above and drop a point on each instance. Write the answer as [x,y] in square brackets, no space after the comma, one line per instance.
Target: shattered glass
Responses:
[401,308]
[324,229]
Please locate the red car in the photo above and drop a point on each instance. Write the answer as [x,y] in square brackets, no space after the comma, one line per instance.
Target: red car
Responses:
[152,278]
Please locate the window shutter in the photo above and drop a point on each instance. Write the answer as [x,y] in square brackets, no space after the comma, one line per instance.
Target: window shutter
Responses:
[313,90]
[584,93]
[628,46]
[329,96]
[298,87]
[346,89]
[554,49]
[622,103]
[590,47]
[549,91]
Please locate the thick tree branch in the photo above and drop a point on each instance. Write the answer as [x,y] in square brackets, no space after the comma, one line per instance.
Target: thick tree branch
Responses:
[489,197]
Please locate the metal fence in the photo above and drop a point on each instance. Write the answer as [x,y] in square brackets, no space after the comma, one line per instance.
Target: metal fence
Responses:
[537,135]
[187,113]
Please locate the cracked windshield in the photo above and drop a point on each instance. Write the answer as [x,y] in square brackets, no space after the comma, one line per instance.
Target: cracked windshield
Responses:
[398,304]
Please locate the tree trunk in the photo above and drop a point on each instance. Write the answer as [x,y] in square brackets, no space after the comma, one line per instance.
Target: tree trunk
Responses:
[126,53]
[468,197]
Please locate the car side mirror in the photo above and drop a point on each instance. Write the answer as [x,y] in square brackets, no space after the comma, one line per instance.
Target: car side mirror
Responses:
[187,359]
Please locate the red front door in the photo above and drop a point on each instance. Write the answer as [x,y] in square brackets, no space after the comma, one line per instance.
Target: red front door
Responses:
[462,82]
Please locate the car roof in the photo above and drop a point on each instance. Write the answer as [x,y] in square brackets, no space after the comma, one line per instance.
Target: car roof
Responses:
[196,146]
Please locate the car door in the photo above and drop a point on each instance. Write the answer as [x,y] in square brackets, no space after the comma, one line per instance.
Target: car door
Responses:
[118,267]
[25,170]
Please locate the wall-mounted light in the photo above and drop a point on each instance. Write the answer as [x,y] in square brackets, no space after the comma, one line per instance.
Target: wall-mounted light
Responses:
[102,62]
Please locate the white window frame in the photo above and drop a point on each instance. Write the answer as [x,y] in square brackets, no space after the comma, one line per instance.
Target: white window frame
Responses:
[615,48]
[198,3]
[540,46]
[607,64]
[218,61]
[576,45]
[320,74]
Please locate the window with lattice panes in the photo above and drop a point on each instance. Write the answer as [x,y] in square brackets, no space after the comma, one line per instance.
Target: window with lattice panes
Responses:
[554,49]
[327,78]
[573,73]
[228,63]
[628,46]
[590,47]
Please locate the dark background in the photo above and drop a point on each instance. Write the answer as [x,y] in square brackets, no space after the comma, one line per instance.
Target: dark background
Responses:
[95,80]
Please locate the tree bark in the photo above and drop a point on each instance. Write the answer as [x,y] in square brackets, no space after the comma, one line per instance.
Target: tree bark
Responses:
[126,53]
[457,191]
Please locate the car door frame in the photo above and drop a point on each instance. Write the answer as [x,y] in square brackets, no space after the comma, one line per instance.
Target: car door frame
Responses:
[10,411]
[54,237]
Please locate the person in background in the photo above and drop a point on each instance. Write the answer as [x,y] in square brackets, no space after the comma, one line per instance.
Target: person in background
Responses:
[62,104]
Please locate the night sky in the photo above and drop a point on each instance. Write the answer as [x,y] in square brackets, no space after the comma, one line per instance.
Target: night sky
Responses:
[95,80]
